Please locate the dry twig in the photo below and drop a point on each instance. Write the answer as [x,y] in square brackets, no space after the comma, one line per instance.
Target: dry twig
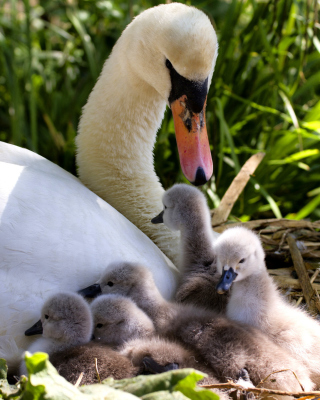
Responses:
[259,391]
[97,372]
[222,212]
[79,379]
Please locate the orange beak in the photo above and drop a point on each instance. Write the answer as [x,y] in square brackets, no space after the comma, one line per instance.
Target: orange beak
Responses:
[192,141]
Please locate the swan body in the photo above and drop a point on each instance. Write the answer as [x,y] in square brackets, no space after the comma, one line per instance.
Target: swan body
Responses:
[55,235]
[256,300]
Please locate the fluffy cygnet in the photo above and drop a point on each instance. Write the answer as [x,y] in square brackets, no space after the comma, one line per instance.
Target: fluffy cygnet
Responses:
[256,300]
[66,321]
[226,346]
[165,352]
[185,209]
[118,319]
[72,362]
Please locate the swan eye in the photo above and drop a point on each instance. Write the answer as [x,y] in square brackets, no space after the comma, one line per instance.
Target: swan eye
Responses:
[110,283]
[46,316]
[99,325]
[165,207]
[168,64]
[242,261]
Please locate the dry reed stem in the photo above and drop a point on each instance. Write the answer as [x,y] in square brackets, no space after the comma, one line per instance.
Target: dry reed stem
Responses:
[79,379]
[259,391]
[97,371]
[307,289]
[222,212]
[282,370]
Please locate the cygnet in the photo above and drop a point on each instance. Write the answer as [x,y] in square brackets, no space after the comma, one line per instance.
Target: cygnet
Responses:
[66,321]
[185,209]
[118,319]
[255,298]
[226,346]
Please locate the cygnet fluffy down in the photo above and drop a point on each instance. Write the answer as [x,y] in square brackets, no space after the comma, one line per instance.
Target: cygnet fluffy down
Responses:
[118,319]
[185,209]
[66,321]
[226,346]
[256,300]
[72,362]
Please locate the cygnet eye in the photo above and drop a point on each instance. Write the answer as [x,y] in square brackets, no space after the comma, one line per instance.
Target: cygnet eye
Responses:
[110,283]
[46,316]
[168,64]
[99,325]
[242,260]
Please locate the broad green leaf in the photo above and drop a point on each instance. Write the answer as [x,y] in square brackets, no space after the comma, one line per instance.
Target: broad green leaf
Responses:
[164,395]
[44,381]
[142,384]
[188,386]
[101,391]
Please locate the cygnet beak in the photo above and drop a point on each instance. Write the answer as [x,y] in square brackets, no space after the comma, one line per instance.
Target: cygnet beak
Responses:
[158,219]
[226,280]
[91,291]
[152,367]
[36,329]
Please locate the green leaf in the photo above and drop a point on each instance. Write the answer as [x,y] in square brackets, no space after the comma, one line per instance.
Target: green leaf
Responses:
[101,391]
[188,386]
[44,381]
[164,395]
[3,369]
[142,385]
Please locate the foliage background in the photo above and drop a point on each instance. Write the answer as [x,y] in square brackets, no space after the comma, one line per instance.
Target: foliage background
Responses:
[264,95]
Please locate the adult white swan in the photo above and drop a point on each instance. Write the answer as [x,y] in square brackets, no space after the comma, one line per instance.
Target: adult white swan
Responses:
[55,234]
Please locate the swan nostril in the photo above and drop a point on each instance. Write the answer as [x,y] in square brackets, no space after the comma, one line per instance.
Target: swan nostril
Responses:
[200,177]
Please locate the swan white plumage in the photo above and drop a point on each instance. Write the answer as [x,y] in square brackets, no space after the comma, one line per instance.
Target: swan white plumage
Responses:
[55,234]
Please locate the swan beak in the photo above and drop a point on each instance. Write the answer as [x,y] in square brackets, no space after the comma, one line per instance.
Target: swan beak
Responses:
[226,280]
[192,141]
[91,292]
[36,329]
[158,219]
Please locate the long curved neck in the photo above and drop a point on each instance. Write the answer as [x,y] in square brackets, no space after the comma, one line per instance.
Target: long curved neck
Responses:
[117,132]
[196,243]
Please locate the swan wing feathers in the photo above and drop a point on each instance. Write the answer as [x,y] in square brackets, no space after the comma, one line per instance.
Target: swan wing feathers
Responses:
[57,235]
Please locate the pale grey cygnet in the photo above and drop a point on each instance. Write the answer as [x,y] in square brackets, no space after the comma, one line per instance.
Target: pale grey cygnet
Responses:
[66,321]
[185,209]
[118,319]
[256,300]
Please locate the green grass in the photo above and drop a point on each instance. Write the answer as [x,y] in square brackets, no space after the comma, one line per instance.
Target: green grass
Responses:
[265,92]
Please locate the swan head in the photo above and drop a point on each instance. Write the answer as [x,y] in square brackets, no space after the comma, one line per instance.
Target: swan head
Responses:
[66,317]
[182,205]
[173,49]
[118,319]
[239,254]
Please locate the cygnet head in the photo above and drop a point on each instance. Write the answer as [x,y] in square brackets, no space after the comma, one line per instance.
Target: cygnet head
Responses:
[66,317]
[183,205]
[239,254]
[118,319]
[125,278]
